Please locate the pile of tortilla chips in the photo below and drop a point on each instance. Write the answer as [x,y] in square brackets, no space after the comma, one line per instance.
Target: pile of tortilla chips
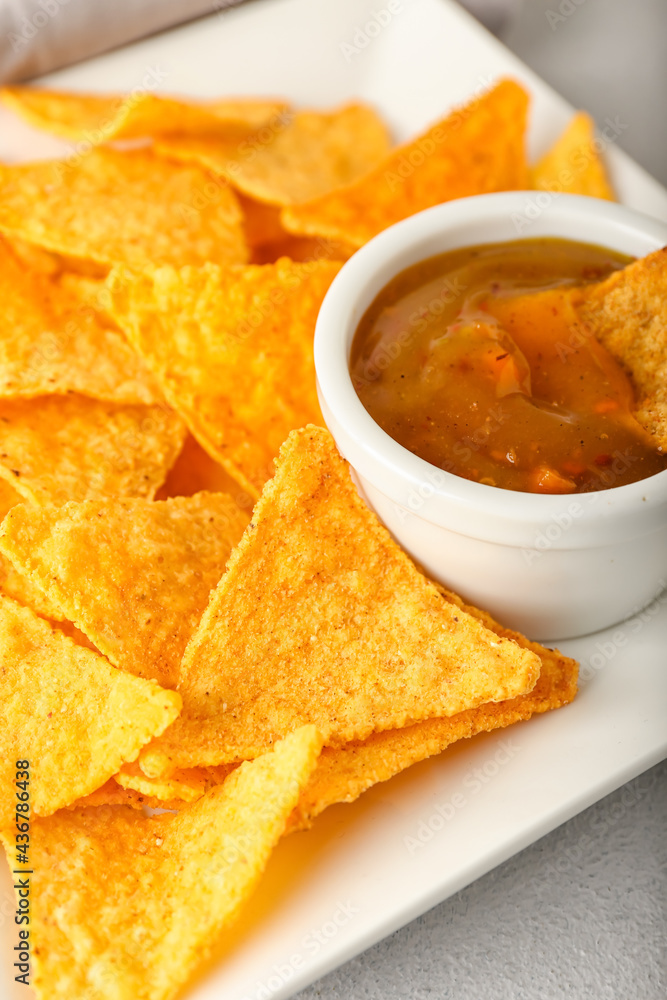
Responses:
[197,611]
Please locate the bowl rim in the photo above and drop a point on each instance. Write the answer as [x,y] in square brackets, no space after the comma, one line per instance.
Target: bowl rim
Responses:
[453,502]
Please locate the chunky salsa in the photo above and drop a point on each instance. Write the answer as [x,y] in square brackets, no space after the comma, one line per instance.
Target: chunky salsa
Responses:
[476,361]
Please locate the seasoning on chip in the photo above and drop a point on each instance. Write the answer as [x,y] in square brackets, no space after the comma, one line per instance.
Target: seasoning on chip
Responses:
[344,773]
[127,207]
[12,583]
[54,449]
[477,149]
[97,118]
[67,711]
[52,344]
[573,165]
[302,157]
[232,350]
[627,313]
[322,618]
[133,575]
[141,901]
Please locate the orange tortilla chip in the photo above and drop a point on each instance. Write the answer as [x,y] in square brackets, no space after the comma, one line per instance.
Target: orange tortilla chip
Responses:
[232,350]
[68,712]
[299,158]
[195,471]
[627,313]
[157,890]
[301,249]
[343,774]
[12,583]
[96,118]
[122,207]
[184,785]
[132,575]
[54,449]
[261,223]
[111,794]
[322,618]
[51,344]
[573,165]
[477,149]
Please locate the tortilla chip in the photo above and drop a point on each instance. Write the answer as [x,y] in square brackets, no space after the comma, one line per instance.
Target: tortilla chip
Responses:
[12,583]
[133,575]
[322,618]
[232,350]
[573,165]
[122,207]
[68,712]
[177,880]
[303,157]
[195,471]
[628,314]
[96,118]
[184,785]
[89,292]
[111,794]
[36,260]
[301,249]
[477,149]
[51,345]
[343,774]
[22,590]
[58,448]
[261,223]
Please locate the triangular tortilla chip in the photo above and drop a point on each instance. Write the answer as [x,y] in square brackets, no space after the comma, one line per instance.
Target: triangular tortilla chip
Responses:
[573,165]
[52,344]
[157,890]
[12,583]
[343,774]
[232,350]
[477,149]
[96,118]
[133,575]
[628,315]
[68,712]
[322,618]
[300,159]
[122,207]
[58,448]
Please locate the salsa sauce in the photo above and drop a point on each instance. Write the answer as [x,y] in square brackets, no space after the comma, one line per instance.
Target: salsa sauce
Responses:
[476,361]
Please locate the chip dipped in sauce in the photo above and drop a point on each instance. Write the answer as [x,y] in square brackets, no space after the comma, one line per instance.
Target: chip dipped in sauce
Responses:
[477,361]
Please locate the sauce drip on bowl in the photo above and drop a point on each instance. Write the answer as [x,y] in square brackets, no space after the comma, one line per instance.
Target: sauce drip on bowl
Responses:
[476,361]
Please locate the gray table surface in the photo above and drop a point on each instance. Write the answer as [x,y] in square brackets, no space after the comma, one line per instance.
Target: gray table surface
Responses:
[583,912]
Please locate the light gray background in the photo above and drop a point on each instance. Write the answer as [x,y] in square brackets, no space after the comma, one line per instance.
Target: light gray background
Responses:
[581,914]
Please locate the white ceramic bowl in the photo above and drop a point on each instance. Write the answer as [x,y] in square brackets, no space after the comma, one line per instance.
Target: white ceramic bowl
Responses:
[551,566]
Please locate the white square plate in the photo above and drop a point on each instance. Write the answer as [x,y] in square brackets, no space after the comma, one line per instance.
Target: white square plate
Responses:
[370,867]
